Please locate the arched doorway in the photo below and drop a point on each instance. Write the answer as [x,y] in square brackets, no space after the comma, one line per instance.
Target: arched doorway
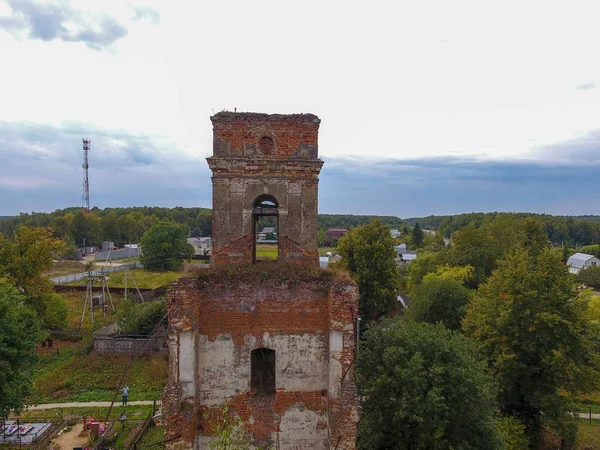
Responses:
[265,219]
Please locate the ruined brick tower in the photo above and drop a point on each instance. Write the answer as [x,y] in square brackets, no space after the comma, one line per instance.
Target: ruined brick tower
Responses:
[265,165]
[277,339]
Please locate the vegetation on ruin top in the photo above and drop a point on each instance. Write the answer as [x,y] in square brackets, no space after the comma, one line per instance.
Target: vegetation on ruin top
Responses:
[267,271]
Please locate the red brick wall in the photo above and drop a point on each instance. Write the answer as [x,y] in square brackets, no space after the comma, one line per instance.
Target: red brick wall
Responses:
[247,311]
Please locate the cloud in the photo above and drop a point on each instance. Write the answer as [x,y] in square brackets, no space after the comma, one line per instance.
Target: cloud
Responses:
[41,171]
[58,20]
[584,149]
[145,12]
[586,86]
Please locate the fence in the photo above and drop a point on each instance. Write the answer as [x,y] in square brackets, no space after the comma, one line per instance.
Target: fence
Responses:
[44,430]
[118,254]
[118,344]
[81,276]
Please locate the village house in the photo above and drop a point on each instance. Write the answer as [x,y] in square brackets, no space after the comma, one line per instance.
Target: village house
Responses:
[580,261]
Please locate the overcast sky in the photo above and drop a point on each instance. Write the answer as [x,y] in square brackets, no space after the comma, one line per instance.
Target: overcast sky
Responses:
[426,107]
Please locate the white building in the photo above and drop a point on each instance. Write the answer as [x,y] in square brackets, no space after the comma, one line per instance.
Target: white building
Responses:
[580,261]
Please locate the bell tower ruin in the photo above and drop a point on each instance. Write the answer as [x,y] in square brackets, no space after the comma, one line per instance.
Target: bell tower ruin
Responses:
[265,166]
[275,340]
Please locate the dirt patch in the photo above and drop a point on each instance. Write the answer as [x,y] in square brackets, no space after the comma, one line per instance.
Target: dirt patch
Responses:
[76,437]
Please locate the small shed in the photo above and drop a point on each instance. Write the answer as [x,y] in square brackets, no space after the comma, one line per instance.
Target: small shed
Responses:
[580,261]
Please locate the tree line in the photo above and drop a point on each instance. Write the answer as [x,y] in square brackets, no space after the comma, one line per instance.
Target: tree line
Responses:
[128,225]
[561,230]
[496,342]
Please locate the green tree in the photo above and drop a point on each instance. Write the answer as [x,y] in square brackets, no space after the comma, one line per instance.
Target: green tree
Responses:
[439,300]
[472,246]
[165,247]
[23,259]
[532,328]
[368,254]
[19,332]
[417,235]
[88,227]
[423,389]
[590,277]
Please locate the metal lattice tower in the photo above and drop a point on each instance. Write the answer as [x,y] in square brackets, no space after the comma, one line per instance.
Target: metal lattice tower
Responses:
[85,197]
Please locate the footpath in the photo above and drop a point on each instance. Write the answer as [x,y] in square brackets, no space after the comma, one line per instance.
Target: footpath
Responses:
[91,404]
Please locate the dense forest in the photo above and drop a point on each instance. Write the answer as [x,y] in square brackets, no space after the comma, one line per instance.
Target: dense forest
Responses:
[127,225]
[572,231]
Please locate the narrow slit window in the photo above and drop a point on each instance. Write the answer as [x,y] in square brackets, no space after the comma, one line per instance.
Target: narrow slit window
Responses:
[262,378]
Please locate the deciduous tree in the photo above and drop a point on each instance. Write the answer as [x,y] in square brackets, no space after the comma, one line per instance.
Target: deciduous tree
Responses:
[165,247]
[439,300]
[19,332]
[423,389]
[532,328]
[368,254]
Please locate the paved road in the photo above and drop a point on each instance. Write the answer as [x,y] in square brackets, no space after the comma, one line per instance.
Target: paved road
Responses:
[587,416]
[87,404]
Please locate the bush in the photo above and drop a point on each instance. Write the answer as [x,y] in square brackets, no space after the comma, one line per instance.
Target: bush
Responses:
[141,318]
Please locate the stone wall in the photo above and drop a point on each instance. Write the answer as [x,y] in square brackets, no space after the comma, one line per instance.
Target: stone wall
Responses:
[213,327]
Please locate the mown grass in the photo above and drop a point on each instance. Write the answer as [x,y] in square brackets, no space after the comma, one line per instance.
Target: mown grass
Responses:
[588,436]
[134,412]
[74,374]
[323,250]
[145,279]
[268,251]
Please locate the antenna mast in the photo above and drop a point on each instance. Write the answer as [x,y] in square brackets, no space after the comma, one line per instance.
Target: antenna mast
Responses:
[85,198]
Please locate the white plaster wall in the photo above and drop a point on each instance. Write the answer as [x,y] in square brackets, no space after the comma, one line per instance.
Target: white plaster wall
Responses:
[299,430]
[224,369]
[301,364]
[336,342]
[186,363]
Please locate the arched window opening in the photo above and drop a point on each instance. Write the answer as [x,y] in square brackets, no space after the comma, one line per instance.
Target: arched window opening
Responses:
[266,227]
[262,371]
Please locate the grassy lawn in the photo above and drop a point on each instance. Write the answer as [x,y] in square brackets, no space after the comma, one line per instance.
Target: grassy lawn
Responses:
[323,250]
[134,412]
[62,268]
[74,374]
[75,301]
[588,436]
[145,279]
[266,251]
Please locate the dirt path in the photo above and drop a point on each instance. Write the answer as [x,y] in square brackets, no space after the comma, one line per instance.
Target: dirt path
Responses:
[87,404]
[76,437]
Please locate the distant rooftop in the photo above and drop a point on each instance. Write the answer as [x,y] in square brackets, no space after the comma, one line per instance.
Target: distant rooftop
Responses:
[578,260]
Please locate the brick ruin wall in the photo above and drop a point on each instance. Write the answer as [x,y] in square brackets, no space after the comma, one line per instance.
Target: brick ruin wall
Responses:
[243,170]
[214,327]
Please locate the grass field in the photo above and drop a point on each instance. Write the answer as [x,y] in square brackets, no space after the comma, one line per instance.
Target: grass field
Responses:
[62,268]
[75,300]
[145,279]
[266,251]
[323,250]
[588,437]
[74,374]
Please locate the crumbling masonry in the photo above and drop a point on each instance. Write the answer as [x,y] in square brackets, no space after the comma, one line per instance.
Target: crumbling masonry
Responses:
[276,340]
